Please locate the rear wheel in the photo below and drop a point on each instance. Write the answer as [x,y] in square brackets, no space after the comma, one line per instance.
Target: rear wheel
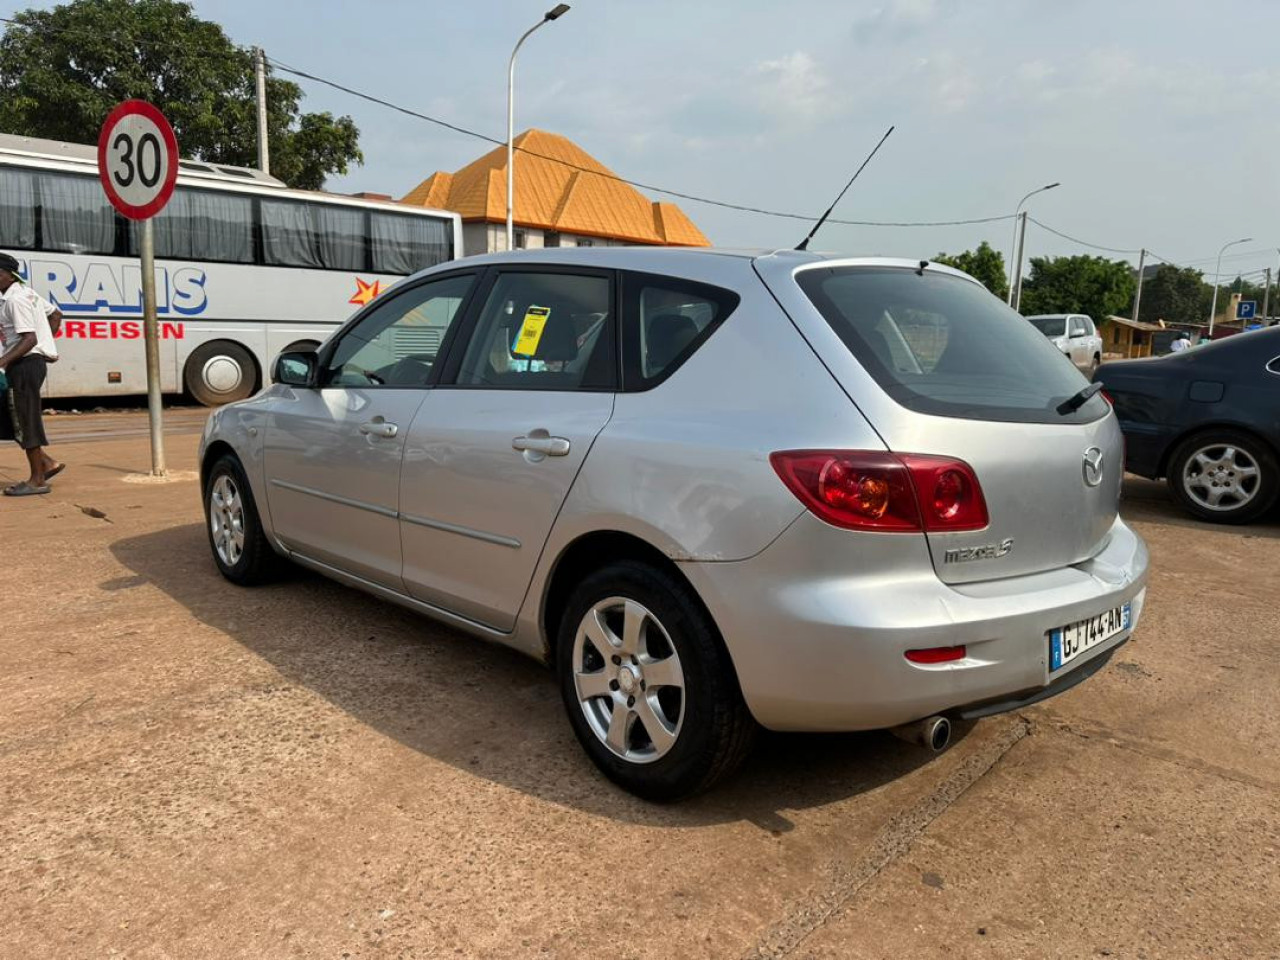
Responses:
[1224,476]
[220,372]
[648,686]
[236,537]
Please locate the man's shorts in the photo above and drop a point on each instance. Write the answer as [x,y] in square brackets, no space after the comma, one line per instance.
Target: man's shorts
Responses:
[20,419]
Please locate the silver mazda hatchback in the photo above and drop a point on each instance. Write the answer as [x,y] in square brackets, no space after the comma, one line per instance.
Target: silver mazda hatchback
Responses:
[713,490]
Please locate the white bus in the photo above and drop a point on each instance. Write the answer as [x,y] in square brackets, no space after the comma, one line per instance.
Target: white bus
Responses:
[246,268]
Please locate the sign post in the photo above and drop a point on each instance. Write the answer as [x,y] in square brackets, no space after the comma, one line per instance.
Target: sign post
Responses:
[138,165]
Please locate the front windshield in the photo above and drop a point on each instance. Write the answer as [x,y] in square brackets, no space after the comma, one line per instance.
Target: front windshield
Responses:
[1049,326]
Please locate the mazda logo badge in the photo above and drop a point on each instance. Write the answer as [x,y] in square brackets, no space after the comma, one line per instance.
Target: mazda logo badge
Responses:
[1092,467]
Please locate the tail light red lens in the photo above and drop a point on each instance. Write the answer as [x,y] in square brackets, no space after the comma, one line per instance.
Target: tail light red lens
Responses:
[876,490]
[950,495]
[859,490]
[937,654]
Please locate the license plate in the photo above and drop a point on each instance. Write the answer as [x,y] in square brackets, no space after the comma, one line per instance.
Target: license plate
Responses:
[1067,643]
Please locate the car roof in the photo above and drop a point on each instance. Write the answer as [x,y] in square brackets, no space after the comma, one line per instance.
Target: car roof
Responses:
[680,260]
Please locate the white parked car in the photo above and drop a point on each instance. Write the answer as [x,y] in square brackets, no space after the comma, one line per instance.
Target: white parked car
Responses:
[1075,335]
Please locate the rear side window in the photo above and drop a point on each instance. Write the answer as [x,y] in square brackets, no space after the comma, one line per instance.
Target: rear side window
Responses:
[665,320]
[941,345]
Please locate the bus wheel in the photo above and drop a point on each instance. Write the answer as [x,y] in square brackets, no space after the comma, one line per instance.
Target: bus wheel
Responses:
[220,372]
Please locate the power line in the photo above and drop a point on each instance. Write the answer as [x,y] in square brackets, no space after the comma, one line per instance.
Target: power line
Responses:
[612,176]
[1077,240]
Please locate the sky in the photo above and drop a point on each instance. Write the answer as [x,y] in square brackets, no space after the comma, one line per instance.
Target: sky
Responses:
[1156,117]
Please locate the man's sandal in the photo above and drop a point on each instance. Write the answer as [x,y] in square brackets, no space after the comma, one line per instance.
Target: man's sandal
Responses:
[25,489]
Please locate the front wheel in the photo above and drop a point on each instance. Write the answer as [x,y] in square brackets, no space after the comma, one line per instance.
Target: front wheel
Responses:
[236,537]
[1224,476]
[649,688]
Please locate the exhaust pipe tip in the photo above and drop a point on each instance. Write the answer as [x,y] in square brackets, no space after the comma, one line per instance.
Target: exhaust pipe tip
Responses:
[932,733]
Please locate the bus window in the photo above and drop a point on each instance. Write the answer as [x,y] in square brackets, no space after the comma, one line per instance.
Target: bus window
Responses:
[288,239]
[202,225]
[340,231]
[406,245]
[17,209]
[75,216]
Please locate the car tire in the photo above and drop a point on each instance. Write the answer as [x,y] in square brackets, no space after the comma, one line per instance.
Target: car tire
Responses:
[1224,465]
[220,372]
[236,537]
[660,635]
[1095,363]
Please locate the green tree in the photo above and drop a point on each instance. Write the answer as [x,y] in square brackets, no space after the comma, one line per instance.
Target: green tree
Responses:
[1083,284]
[1175,295]
[62,70]
[985,264]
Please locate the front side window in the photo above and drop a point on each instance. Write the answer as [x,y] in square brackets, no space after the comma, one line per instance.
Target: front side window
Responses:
[543,331]
[666,320]
[1078,327]
[942,345]
[396,344]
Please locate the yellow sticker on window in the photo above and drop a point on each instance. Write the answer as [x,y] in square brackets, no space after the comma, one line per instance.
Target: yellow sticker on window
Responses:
[535,321]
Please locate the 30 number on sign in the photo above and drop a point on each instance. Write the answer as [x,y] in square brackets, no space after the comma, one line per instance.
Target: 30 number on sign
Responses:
[137,159]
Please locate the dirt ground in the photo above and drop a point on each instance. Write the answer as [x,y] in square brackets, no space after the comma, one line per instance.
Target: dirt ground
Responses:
[192,770]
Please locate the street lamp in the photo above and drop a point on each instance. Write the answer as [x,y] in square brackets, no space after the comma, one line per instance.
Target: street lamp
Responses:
[555,13]
[1019,237]
[1217,272]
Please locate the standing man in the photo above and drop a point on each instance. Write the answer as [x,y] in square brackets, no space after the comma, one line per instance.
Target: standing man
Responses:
[27,344]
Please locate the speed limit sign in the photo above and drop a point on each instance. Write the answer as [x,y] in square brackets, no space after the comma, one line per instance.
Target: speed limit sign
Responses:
[137,159]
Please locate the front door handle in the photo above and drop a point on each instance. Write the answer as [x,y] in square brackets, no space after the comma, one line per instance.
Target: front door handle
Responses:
[546,446]
[378,427]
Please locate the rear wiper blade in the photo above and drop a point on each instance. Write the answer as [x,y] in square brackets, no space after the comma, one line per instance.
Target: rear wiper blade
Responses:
[1072,404]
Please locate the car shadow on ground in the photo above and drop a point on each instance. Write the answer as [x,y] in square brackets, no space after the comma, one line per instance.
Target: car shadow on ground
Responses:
[480,707]
[1149,501]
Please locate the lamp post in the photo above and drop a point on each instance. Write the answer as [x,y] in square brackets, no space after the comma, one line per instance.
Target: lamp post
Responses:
[1019,237]
[555,13]
[1217,272]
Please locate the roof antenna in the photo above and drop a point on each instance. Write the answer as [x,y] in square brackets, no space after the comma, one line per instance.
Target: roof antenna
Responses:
[804,244]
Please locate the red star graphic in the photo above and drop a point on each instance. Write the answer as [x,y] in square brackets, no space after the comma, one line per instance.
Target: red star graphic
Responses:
[365,292]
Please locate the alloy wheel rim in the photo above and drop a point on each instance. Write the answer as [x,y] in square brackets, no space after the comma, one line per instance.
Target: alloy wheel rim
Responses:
[226,520]
[629,680]
[1221,477]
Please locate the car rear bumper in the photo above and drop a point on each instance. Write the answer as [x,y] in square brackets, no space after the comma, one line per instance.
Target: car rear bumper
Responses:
[817,649]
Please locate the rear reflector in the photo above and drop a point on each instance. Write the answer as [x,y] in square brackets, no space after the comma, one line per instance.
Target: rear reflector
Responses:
[936,654]
[877,490]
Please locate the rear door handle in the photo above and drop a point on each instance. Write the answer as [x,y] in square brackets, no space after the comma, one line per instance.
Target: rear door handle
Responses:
[377,427]
[547,446]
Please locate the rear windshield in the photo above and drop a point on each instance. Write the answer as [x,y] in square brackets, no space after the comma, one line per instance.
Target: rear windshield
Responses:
[1049,326]
[942,345]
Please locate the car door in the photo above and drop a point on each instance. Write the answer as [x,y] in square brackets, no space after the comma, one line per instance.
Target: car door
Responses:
[1078,341]
[493,451]
[332,452]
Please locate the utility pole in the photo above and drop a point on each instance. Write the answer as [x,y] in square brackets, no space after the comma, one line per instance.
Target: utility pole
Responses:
[260,81]
[1015,292]
[1137,297]
[1266,298]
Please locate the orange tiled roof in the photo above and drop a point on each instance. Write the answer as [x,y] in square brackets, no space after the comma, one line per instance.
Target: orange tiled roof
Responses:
[566,196]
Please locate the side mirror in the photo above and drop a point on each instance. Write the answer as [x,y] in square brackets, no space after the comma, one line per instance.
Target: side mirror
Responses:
[295,369]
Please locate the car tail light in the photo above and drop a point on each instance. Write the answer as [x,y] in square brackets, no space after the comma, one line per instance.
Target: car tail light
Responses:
[876,490]
[936,654]
[950,495]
